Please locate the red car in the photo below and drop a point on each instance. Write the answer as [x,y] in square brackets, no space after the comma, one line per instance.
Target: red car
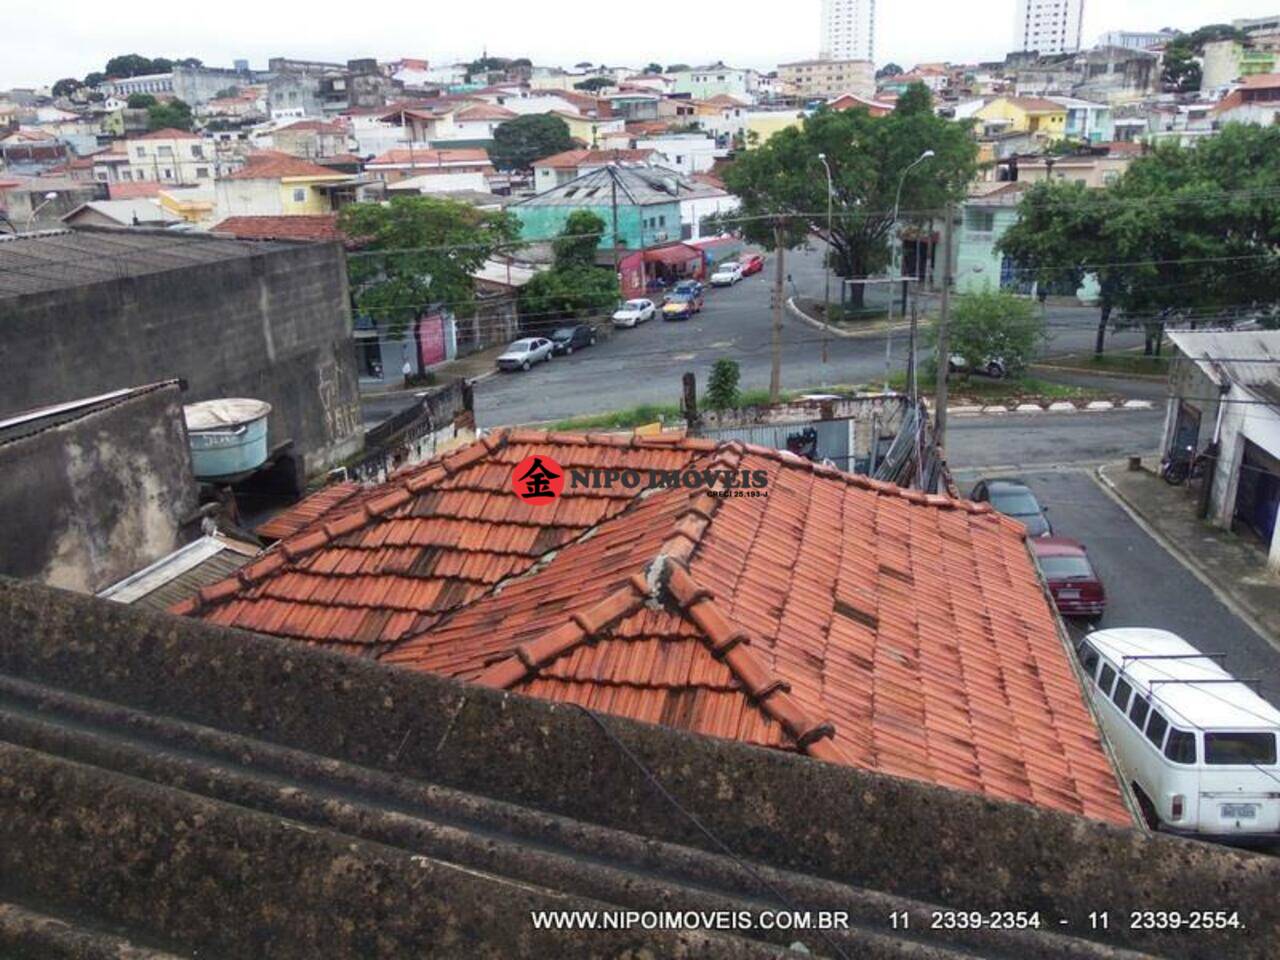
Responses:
[751,263]
[1077,590]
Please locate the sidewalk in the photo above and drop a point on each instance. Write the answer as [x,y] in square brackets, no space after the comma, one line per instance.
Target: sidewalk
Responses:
[1233,567]
[473,366]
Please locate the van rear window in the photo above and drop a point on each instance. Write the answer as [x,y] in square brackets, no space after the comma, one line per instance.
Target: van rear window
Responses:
[1240,748]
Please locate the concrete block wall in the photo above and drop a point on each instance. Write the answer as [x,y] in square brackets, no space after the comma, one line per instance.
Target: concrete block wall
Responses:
[274,325]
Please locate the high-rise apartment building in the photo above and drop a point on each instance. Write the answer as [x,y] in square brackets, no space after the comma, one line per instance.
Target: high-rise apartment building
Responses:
[1048,26]
[848,30]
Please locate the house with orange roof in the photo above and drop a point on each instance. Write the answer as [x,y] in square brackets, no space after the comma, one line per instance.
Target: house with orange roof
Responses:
[568,165]
[272,183]
[309,138]
[403,162]
[1255,100]
[1035,115]
[840,617]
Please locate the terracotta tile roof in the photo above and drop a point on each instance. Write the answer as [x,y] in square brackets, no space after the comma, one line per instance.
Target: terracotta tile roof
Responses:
[133,190]
[484,111]
[430,158]
[840,616]
[275,165]
[316,126]
[168,133]
[1036,105]
[319,226]
[572,159]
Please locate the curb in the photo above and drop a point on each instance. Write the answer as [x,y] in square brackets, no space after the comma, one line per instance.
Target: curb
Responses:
[843,334]
[1058,406]
[1191,565]
[1108,374]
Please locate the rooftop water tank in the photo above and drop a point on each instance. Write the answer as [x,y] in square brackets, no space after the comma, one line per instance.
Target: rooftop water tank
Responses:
[228,437]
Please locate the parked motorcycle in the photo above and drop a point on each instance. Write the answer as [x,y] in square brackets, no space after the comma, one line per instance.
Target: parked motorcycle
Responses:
[1179,466]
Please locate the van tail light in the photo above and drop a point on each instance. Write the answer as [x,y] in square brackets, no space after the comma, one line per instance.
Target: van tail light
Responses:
[1176,806]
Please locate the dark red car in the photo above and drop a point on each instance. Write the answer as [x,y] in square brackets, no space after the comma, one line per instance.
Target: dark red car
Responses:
[751,263]
[1074,583]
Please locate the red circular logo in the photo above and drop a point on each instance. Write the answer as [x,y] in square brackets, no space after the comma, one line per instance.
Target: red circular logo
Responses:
[537,479]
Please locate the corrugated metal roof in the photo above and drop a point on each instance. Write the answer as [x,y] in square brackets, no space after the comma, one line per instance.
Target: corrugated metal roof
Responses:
[1249,358]
[638,186]
[58,259]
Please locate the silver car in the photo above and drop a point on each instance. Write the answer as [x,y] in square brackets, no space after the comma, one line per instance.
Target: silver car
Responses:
[523,354]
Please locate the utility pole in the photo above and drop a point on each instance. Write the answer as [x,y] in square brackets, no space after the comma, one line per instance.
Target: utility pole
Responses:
[779,277]
[944,345]
[613,205]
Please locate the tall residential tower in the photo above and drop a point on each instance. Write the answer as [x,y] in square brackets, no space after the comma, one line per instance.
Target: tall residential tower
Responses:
[1048,26]
[848,30]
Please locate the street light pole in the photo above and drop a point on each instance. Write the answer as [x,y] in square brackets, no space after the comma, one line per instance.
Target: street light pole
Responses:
[48,197]
[897,198]
[826,295]
[897,269]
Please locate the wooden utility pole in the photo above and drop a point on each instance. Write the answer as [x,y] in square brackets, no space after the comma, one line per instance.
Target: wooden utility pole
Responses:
[779,278]
[689,400]
[944,345]
[613,204]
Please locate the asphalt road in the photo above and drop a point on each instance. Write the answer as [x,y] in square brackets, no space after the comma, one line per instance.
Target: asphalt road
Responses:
[1146,586]
[645,365]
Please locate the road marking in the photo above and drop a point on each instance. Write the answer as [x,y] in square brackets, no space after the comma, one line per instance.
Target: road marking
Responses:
[683,356]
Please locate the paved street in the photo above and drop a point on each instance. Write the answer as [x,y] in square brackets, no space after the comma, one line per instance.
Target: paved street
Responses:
[644,365]
[1146,586]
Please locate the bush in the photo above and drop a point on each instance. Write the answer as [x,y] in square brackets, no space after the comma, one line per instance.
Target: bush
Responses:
[994,324]
[722,388]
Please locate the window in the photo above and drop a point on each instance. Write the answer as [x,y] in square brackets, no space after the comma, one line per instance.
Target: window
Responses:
[1138,712]
[980,221]
[126,174]
[166,151]
[1121,695]
[202,172]
[1240,748]
[1181,747]
[1105,678]
[1156,727]
[299,194]
[197,151]
[168,174]
[141,151]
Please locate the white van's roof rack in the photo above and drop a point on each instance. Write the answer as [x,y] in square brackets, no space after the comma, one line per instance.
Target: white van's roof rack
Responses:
[1172,656]
[1254,681]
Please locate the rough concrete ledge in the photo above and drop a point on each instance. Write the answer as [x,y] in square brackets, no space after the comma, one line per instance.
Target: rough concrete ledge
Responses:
[27,934]
[872,831]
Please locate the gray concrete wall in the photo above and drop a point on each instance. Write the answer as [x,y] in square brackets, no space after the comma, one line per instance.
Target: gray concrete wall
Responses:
[93,500]
[899,836]
[275,326]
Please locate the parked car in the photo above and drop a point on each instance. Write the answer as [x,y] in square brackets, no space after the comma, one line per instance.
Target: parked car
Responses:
[993,367]
[523,354]
[1076,588]
[681,306]
[633,312]
[727,274]
[751,263]
[568,339]
[1198,745]
[688,286]
[1014,499]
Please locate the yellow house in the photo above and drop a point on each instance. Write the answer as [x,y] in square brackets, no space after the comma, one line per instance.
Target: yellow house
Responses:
[589,130]
[192,204]
[761,125]
[276,184]
[1026,115]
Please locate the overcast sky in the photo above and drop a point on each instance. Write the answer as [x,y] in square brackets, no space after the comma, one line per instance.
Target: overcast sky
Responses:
[73,37]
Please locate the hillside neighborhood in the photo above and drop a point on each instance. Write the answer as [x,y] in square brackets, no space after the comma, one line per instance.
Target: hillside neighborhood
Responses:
[506,507]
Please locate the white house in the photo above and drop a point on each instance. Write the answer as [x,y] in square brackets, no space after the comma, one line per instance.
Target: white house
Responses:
[686,152]
[703,198]
[1226,402]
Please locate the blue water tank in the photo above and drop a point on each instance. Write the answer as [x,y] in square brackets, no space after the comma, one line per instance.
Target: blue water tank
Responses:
[228,437]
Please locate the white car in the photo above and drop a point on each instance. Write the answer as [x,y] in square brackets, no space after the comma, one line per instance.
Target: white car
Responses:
[993,366]
[523,354]
[633,312]
[727,274]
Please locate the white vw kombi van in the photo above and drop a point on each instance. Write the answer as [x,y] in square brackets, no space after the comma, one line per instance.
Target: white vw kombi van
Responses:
[1198,745]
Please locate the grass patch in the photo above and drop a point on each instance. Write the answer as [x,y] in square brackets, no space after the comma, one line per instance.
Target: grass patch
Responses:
[627,419]
[989,390]
[1125,362]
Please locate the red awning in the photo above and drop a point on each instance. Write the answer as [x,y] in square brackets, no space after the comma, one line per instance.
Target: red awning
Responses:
[675,254]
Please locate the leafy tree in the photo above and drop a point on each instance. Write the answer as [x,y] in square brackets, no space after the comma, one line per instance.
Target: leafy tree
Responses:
[1182,71]
[722,387]
[889,70]
[189,62]
[161,65]
[584,65]
[592,84]
[432,248]
[677,67]
[172,113]
[577,242]
[993,324]
[66,86]
[141,101]
[783,186]
[129,65]
[653,68]
[518,143]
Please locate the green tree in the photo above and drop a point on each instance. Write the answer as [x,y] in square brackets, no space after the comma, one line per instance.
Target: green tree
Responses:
[783,186]
[722,386]
[94,78]
[889,70]
[141,101]
[231,91]
[518,143]
[129,65]
[66,86]
[175,114]
[418,253]
[1181,69]
[577,242]
[653,68]
[677,67]
[592,84]
[992,324]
